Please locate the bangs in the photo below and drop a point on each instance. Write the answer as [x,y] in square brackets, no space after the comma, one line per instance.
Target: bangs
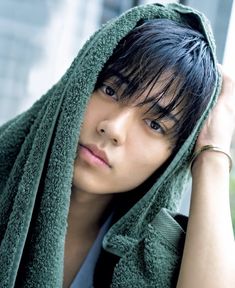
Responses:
[167,67]
[141,80]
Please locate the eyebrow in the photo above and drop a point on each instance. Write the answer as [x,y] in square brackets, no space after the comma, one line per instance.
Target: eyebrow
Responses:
[121,77]
[160,109]
[167,114]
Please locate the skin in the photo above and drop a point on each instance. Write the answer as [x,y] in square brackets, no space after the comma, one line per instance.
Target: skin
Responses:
[122,131]
[209,239]
[209,253]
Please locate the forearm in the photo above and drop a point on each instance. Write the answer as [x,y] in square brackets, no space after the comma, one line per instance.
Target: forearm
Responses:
[209,253]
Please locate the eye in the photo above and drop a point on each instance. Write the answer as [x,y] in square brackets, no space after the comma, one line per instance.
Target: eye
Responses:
[154,125]
[108,90]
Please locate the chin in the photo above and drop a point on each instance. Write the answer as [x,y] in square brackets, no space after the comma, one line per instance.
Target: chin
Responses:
[88,185]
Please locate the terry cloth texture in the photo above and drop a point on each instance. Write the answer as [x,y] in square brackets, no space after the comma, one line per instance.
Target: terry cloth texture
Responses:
[37,152]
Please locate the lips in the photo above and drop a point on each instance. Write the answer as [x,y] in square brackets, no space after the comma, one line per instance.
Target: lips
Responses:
[97,152]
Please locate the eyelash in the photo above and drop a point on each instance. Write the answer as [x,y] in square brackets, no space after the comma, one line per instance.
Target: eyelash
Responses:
[159,127]
[106,87]
[111,93]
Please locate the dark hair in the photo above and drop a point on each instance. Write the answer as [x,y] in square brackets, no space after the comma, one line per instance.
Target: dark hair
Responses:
[158,48]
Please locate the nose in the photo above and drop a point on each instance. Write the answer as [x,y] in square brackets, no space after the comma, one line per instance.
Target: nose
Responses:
[115,127]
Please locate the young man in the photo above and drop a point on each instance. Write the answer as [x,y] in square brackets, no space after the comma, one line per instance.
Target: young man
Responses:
[131,123]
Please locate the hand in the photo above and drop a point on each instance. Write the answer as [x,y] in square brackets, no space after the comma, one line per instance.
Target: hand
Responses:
[219,127]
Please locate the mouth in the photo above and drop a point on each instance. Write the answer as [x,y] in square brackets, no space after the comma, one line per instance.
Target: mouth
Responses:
[94,154]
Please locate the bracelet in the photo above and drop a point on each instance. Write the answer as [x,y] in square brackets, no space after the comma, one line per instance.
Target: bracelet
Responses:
[210,148]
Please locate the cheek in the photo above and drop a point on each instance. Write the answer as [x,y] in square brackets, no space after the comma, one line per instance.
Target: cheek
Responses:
[95,109]
[142,166]
[89,115]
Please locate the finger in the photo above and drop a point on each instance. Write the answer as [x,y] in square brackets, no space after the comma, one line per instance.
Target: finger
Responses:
[228,84]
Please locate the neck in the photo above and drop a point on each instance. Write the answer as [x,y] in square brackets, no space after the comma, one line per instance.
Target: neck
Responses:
[86,212]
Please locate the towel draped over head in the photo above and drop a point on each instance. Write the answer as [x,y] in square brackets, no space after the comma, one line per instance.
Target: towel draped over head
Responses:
[37,152]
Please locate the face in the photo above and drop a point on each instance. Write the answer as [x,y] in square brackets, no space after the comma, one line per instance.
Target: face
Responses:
[134,143]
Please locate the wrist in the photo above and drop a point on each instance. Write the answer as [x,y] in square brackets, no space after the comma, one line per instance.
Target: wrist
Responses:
[210,153]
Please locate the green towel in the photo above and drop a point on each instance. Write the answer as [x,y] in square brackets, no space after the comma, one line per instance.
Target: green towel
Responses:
[37,152]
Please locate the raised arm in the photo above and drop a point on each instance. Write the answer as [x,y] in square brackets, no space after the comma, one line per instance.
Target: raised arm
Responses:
[209,254]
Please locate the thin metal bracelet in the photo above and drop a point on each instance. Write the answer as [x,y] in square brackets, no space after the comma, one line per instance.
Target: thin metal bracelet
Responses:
[210,148]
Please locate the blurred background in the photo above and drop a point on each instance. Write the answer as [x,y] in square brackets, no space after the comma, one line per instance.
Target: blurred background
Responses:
[40,38]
